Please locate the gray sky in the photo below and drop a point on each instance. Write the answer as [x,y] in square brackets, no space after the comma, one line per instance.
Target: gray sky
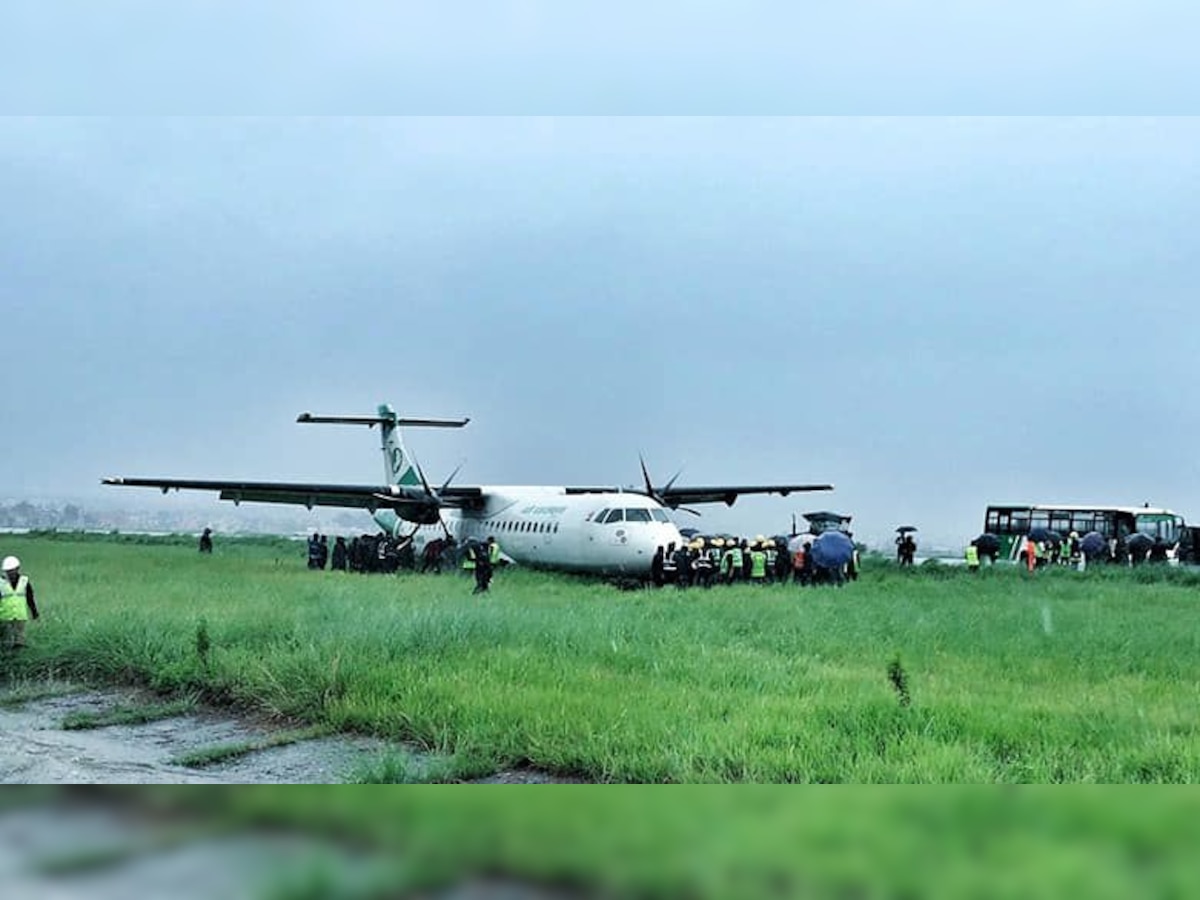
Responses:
[933,313]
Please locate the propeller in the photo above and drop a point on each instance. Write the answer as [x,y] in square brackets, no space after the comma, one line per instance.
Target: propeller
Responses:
[435,496]
[655,494]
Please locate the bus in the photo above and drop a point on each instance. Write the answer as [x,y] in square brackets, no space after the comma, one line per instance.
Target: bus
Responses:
[1011,523]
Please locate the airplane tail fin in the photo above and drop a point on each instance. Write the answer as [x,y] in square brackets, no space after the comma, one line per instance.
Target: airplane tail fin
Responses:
[398,465]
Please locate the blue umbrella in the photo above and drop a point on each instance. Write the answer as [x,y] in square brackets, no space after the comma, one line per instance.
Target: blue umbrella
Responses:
[832,550]
[1094,545]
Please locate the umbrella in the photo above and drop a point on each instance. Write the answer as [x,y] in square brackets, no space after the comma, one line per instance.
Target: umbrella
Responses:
[832,549]
[904,528]
[795,543]
[988,543]
[1045,534]
[1138,544]
[1094,545]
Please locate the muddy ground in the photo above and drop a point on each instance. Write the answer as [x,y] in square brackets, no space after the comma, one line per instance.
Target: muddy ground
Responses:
[38,750]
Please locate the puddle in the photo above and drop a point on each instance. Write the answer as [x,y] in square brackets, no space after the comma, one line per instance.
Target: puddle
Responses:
[38,751]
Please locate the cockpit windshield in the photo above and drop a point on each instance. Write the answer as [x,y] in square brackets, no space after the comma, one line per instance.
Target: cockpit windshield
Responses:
[660,515]
[637,515]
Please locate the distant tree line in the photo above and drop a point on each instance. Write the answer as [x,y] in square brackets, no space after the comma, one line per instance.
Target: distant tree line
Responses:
[24,514]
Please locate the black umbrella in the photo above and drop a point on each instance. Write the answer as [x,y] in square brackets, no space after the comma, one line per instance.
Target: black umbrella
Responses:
[832,550]
[988,543]
[1044,534]
[904,528]
[1093,545]
[1139,544]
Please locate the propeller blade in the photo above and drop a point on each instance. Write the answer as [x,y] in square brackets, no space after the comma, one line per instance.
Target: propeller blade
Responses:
[667,486]
[421,475]
[449,479]
[646,477]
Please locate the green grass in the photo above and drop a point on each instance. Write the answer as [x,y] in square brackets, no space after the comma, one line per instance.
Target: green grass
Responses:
[1061,677]
[132,714]
[210,756]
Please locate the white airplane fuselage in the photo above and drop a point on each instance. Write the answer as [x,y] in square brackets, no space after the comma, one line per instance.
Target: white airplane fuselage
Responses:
[614,533]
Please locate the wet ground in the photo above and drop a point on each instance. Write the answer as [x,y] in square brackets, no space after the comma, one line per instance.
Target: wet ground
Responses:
[37,749]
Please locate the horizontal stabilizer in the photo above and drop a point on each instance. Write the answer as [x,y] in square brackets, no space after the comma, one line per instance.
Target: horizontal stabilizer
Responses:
[309,419]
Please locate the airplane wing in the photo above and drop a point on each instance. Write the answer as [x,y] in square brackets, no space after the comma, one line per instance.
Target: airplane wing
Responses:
[674,497]
[727,494]
[408,501]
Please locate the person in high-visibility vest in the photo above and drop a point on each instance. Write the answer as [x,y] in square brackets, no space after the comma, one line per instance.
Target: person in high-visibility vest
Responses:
[758,565]
[468,558]
[16,604]
[972,555]
[493,547]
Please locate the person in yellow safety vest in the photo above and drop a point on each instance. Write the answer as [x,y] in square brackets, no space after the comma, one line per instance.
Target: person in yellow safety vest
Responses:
[972,555]
[493,551]
[736,562]
[758,565]
[468,558]
[16,604]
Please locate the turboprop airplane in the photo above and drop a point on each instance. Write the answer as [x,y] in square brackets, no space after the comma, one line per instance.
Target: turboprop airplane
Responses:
[605,530]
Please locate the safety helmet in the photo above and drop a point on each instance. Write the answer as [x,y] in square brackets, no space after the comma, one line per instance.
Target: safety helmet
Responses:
[10,563]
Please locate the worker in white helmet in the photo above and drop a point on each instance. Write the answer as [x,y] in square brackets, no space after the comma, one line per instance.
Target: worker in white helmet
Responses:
[16,604]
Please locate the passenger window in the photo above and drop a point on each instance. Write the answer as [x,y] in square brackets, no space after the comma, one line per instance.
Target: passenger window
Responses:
[637,515]
[614,515]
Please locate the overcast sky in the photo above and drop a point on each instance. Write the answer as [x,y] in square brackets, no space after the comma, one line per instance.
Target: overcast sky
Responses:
[934,314]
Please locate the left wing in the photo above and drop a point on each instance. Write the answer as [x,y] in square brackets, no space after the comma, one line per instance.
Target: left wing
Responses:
[414,503]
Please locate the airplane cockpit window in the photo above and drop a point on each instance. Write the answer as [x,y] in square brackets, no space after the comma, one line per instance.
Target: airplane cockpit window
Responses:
[660,515]
[598,518]
[637,515]
[614,515]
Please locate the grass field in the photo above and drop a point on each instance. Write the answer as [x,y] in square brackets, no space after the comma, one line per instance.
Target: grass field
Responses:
[928,675]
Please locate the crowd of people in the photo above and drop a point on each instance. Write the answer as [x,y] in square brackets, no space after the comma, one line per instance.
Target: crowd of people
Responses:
[1125,550]
[703,562]
[388,554]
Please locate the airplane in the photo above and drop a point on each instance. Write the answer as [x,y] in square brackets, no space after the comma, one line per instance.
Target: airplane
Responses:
[588,529]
